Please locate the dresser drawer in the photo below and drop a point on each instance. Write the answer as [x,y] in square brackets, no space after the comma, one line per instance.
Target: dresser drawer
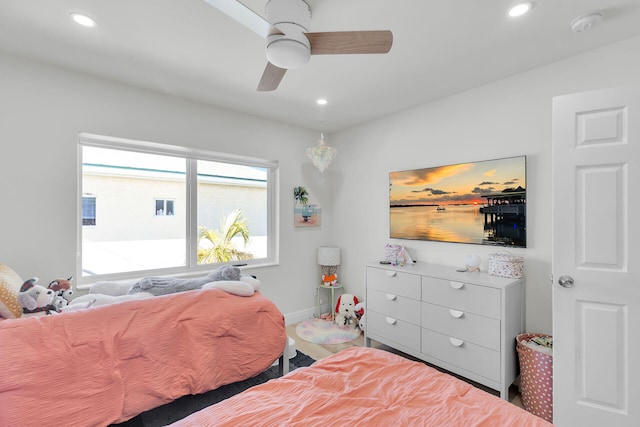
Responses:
[395,306]
[464,354]
[480,330]
[398,331]
[394,282]
[461,296]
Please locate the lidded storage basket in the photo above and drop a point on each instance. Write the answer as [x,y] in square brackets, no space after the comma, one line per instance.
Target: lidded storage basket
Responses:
[506,265]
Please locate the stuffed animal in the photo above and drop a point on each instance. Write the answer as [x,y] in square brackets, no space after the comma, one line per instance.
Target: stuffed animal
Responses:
[63,290]
[35,298]
[169,285]
[58,303]
[329,279]
[345,310]
[360,312]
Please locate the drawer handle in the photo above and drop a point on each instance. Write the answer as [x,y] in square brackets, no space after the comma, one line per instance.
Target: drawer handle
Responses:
[455,313]
[391,320]
[456,285]
[391,273]
[391,297]
[456,341]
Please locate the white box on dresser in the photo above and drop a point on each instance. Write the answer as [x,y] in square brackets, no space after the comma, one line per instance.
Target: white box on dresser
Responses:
[464,322]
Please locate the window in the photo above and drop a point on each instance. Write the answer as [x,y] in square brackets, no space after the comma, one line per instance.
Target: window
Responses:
[208,208]
[88,210]
[164,207]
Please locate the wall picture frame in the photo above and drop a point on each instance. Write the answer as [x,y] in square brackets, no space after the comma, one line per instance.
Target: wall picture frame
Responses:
[306,211]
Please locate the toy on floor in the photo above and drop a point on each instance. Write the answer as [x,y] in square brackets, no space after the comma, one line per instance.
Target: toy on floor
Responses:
[346,310]
[35,298]
[360,314]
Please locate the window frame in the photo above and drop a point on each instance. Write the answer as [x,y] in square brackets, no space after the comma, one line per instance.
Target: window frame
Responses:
[192,156]
[164,207]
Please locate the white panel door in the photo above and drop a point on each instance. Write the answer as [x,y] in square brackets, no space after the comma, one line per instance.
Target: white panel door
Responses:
[596,258]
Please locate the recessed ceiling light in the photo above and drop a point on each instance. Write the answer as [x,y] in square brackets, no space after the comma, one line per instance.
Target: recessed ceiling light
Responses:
[520,9]
[321,102]
[83,20]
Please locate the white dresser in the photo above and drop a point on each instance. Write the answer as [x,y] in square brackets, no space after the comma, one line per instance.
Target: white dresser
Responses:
[463,322]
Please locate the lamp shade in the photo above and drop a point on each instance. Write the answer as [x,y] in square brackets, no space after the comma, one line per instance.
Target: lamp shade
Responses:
[328,255]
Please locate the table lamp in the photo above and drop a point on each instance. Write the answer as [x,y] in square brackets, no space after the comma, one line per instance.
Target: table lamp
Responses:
[329,259]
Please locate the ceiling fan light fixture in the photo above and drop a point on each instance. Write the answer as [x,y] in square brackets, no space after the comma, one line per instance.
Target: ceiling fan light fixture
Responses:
[286,52]
[283,12]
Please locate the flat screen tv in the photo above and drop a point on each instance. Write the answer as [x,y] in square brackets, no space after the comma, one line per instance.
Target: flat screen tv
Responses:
[482,203]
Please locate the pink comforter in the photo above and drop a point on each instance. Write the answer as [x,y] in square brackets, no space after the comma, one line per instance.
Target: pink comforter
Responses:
[368,387]
[107,364]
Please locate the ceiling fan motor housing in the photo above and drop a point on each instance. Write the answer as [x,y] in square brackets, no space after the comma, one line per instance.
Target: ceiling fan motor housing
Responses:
[292,48]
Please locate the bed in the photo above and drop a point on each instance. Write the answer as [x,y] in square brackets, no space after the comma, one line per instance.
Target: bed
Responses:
[107,364]
[364,386]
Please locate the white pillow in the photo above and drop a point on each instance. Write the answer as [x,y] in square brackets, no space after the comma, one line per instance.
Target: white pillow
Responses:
[112,288]
[235,287]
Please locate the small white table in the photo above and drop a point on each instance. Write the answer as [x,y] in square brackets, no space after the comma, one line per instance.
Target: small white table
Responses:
[331,307]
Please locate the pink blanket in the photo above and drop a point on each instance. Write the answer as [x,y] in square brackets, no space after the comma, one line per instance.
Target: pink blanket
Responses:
[364,386]
[107,364]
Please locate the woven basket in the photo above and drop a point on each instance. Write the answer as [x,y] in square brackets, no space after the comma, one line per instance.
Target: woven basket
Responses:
[536,378]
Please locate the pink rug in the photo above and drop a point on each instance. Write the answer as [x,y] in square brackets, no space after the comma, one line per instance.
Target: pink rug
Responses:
[320,331]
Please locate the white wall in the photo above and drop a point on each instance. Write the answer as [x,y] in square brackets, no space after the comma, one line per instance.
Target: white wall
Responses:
[43,108]
[510,117]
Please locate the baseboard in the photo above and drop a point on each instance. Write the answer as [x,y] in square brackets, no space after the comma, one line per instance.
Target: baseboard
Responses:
[299,316]
[307,313]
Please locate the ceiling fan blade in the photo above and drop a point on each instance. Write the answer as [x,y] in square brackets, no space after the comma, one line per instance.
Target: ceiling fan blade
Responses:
[245,16]
[271,78]
[349,42]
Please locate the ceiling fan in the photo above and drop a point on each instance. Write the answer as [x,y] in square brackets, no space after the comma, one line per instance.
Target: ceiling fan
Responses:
[290,45]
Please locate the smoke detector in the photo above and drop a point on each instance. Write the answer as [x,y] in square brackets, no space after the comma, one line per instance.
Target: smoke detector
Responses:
[586,22]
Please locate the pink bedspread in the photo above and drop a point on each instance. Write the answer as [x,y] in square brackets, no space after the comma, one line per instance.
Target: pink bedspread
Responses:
[107,364]
[364,386]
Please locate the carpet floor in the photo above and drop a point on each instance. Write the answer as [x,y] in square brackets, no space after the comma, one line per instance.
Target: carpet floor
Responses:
[186,405]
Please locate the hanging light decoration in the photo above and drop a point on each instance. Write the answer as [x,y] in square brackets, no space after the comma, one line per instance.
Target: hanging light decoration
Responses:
[321,155]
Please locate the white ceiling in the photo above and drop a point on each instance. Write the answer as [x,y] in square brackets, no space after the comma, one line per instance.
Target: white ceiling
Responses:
[188,48]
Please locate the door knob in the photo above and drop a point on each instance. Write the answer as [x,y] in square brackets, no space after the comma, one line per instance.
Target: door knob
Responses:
[565,281]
